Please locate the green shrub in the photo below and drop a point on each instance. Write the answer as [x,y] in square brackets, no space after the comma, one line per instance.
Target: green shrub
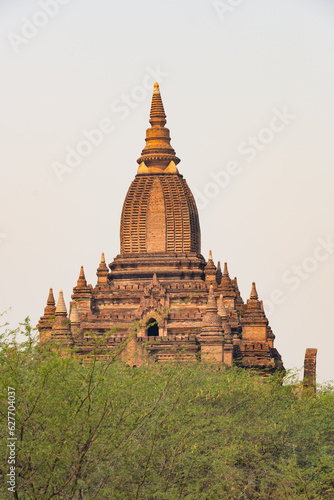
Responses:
[101,429]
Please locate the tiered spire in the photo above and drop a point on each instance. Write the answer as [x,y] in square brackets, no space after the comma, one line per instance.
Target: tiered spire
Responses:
[210,270]
[211,306]
[61,326]
[49,311]
[74,316]
[253,312]
[61,307]
[82,283]
[82,290]
[102,272]
[50,305]
[226,283]
[157,114]
[158,155]
[51,299]
[212,322]
[254,294]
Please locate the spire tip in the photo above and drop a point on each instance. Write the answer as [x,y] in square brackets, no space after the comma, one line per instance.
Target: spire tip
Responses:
[254,294]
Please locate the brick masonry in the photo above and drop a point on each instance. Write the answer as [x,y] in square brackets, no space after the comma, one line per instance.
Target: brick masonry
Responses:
[160,276]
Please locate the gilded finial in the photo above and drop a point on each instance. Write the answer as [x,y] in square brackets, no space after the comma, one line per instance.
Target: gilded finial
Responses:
[156,88]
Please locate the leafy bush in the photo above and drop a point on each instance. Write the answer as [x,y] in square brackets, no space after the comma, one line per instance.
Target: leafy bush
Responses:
[101,429]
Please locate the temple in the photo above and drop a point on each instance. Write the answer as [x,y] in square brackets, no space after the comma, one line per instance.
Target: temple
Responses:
[159,296]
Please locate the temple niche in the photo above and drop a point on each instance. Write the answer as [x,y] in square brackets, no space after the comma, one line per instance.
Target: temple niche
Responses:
[160,293]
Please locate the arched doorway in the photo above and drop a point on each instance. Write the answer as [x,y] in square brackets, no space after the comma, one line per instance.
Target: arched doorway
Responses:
[152,328]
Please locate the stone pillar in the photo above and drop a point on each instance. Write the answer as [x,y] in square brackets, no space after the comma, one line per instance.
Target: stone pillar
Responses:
[309,380]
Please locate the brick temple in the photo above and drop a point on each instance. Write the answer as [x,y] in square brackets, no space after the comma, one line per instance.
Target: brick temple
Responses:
[159,294]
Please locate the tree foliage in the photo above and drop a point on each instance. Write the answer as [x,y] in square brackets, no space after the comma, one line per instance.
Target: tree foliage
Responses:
[100,429]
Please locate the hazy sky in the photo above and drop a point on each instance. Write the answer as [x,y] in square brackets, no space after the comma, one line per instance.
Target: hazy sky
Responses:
[248,92]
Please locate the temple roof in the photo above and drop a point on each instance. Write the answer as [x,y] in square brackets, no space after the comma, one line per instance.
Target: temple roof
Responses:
[159,212]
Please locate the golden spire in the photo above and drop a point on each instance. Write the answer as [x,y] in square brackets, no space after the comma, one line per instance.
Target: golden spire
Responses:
[61,307]
[254,294]
[157,114]
[158,155]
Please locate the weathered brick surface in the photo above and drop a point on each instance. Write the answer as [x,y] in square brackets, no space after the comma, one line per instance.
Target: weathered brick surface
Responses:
[309,381]
[255,332]
[156,219]
[160,276]
[159,215]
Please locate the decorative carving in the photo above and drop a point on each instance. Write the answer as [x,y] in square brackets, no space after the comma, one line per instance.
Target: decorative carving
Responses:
[154,299]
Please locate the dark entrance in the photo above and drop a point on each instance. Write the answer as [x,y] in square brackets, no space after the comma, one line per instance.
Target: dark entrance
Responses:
[152,328]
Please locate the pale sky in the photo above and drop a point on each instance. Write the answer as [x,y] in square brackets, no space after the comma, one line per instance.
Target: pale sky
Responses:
[248,92]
